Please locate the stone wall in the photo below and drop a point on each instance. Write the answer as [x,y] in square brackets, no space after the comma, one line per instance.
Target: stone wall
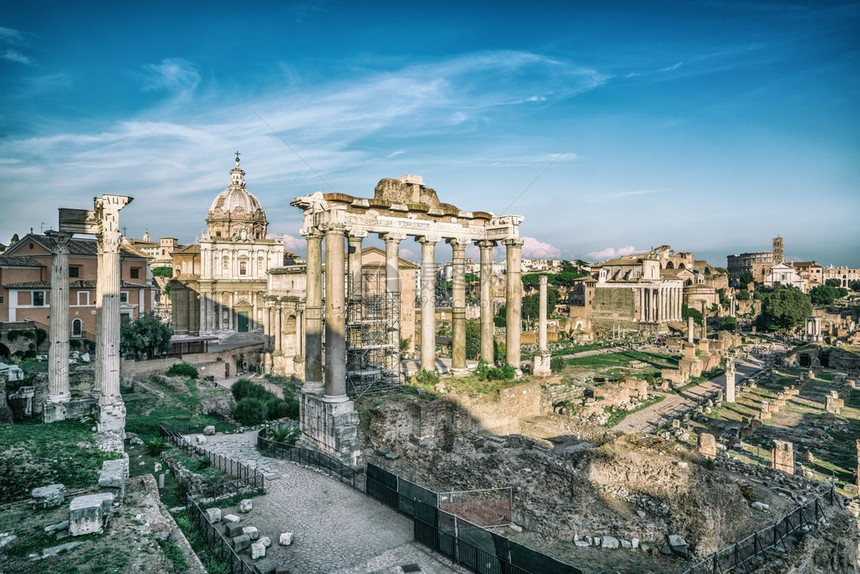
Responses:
[216,364]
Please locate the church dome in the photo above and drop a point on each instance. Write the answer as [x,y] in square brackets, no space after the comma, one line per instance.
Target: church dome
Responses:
[236,213]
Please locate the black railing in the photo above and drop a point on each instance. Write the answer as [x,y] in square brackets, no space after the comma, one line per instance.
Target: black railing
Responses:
[248,475]
[311,458]
[215,541]
[755,546]
[469,545]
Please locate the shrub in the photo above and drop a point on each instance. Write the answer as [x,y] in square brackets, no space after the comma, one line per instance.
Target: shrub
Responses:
[250,411]
[245,389]
[183,370]
[285,435]
[557,364]
[426,378]
[156,446]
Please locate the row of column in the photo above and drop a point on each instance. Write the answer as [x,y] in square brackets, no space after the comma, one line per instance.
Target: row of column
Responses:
[333,386]
[660,304]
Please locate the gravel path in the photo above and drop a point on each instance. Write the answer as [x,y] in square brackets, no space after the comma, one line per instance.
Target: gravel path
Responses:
[337,530]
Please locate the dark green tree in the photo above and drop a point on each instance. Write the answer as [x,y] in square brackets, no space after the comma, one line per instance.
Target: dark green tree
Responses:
[473,339]
[165,271]
[15,239]
[743,295]
[854,285]
[823,294]
[146,336]
[745,279]
[728,323]
[784,309]
[833,282]
[690,312]
[531,304]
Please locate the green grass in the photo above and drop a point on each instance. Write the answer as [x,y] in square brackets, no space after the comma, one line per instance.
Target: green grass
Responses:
[624,358]
[618,415]
[173,553]
[34,366]
[209,558]
[36,454]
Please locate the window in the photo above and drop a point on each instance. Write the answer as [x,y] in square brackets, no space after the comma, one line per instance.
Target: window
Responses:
[123,297]
[83,298]
[74,271]
[243,268]
[38,298]
[1,299]
[135,272]
[77,328]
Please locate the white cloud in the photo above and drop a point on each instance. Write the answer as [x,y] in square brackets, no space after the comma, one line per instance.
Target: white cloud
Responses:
[406,253]
[610,253]
[534,249]
[294,244]
[15,56]
[175,75]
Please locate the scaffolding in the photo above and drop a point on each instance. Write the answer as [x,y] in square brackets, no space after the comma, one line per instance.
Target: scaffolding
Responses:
[372,336]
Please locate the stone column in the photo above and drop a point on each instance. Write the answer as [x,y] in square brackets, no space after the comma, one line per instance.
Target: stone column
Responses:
[392,293]
[335,318]
[513,301]
[690,325]
[730,379]
[428,303]
[58,365]
[313,314]
[458,307]
[111,406]
[354,288]
[486,248]
[542,357]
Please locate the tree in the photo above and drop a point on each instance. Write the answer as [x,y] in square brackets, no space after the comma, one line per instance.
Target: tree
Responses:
[728,324]
[690,312]
[146,336]
[833,282]
[855,285]
[15,239]
[745,279]
[823,294]
[473,339]
[784,309]
[743,295]
[165,271]
[531,304]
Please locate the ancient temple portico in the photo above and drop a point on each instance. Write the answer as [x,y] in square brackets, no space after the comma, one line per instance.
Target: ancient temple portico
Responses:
[400,208]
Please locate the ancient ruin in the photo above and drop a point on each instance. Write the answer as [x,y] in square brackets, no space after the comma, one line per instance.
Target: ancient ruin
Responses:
[399,209]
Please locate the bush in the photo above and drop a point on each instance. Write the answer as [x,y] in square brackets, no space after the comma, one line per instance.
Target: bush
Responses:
[425,377]
[557,364]
[285,435]
[183,370]
[487,373]
[156,446]
[250,411]
[245,389]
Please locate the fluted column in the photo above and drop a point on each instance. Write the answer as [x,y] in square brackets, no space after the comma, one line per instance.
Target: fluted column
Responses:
[335,316]
[58,354]
[542,357]
[513,301]
[458,307]
[313,314]
[428,302]
[111,406]
[392,292]
[486,248]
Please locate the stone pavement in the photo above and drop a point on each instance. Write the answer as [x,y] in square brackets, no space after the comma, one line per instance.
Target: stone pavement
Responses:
[337,530]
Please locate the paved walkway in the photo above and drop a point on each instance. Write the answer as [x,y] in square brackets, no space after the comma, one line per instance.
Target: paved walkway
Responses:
[675,405]
[337,530]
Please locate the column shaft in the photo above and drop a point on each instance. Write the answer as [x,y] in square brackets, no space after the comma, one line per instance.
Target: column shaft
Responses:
[109,317]
[58,354]
[428,303]
[313,313]
[542,311]
[458,310]
[486,248]
[392,293]
[514,301]
[354,288]
[335,317]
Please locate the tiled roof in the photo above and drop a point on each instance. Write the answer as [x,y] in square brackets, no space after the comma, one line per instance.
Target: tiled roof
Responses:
[29,285]
[77,246]
[19,261]
[77,284]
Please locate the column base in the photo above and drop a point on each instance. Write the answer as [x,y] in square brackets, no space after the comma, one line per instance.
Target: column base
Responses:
[459,372]
[313,388]
[111,418]
[331,427]
[542,364]
[54,409]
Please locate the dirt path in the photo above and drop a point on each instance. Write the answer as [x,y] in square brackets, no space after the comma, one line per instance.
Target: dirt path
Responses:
[675,405]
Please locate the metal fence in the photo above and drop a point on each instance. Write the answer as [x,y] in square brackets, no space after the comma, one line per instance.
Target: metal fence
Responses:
[311,458]
[216,542]
[753,549]
[248,475]
[467,544]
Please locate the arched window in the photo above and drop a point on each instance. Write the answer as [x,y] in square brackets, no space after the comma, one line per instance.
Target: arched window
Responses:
[77,328]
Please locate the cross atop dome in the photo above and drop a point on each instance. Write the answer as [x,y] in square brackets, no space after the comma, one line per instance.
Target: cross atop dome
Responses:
[237,176]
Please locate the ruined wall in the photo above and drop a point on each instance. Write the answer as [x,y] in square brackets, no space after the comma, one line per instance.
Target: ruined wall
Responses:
[612,306]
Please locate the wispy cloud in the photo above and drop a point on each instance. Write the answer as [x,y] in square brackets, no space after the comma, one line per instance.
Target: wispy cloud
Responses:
[11,36]
[12,41]
[672,68]
[610,252]
[623,194]
[177,76]
[15,56]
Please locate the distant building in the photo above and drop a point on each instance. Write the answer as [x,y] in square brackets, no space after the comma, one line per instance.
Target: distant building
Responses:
[759,264]
[786,275]
[25,284]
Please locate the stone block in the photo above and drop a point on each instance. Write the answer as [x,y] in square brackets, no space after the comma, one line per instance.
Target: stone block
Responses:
[48,496]
[156,468]
[200,439]
[266,541]
[213,514]
[209,430]
[760,505]
[285,539]
[233,529]
[610,542]
[240,542]
[251,532]
[112,477]
[89,514]
[258,550]
[246,505]
[231,518]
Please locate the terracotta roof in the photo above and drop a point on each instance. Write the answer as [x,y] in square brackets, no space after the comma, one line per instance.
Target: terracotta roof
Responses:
[29,285]
[404,263]
[77,246]
[190,249]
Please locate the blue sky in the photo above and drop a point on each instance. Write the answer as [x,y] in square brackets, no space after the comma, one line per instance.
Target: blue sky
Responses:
[613,127]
